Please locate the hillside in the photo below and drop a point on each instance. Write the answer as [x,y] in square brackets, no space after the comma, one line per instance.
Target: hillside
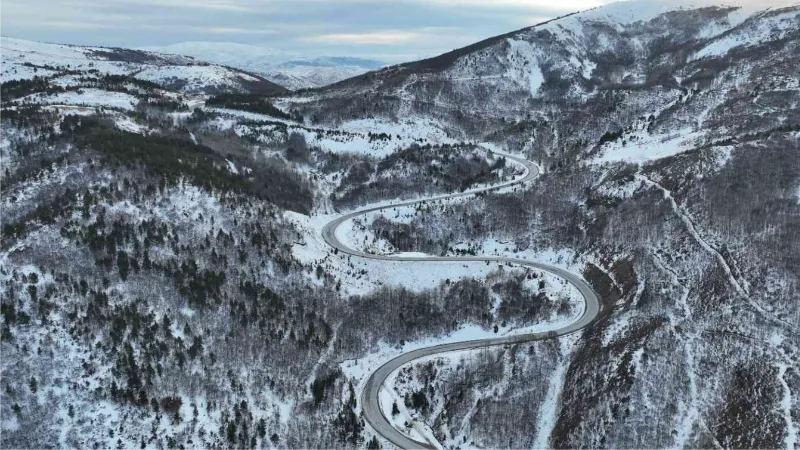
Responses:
[24,60]
[610,69]
[669,135]
[168,282]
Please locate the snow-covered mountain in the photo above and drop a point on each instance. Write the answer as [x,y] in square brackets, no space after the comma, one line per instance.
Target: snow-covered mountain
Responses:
[166,282]
[637,58]
[22,60]
[670,135]
[291,70]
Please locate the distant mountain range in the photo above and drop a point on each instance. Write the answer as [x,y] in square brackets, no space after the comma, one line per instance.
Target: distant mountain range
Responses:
[22,60]
[291,70]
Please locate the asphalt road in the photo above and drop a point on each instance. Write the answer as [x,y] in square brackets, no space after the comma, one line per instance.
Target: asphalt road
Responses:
[370,396]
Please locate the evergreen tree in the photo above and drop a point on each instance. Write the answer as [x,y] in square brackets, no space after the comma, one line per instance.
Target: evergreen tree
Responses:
[123,265]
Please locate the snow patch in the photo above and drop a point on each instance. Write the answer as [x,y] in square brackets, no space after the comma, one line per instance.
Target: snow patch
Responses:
[643,147]
[86,97]
[232,167]
[769,28]
[549,408]
[127,124]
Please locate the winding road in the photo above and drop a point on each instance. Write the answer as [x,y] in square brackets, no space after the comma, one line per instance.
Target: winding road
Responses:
[370,396]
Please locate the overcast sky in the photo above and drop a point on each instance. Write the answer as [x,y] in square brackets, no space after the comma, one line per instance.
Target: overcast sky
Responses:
[388,30]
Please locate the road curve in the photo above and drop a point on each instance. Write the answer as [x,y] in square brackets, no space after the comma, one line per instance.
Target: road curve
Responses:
[370,399]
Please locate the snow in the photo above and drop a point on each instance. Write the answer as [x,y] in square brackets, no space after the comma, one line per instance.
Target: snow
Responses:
[418,430]
[421,275]
[221,52]
[29,193]
[300,76]
[723,155]
[625,190]
[86,97]
[570,30]
[247,115]
[310,249]
[645,147]
[127,124]
[536,79]
[197,77]
[359,369]
[693,231]
[17,52]
[410,130]
[10,423]
[400,214]
[620,323]
[626,12]
[690,410]
[69,80]
[766,29]
[741,286]
[41,48]
[525,69]
[18,55]
[417,276]
[786,409]
[549,408]
[68,110]
[232,167]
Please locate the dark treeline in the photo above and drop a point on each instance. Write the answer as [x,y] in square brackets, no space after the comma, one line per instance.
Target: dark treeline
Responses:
[247,102]
[174,158]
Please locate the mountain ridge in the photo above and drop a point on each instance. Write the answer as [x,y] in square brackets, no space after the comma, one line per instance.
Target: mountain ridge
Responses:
[20,58]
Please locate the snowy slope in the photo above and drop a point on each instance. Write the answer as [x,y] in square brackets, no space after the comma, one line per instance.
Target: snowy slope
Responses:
[679,62]
[25,59]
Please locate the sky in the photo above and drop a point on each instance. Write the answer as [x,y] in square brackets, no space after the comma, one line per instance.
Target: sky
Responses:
[385,30]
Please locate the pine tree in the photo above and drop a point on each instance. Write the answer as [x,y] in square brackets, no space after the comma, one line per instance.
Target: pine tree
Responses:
[373,443]
[123,265]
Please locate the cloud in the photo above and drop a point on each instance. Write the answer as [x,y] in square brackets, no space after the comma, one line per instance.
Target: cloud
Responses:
[67,25]
[527,21]
[236,30]
[215,5]
[395,29]
[540,5]
[371,38]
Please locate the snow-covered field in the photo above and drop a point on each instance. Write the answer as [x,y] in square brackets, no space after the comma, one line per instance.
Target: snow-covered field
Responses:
[351,137]
[86,97]
[22,60]
[195,77]
[642,147]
